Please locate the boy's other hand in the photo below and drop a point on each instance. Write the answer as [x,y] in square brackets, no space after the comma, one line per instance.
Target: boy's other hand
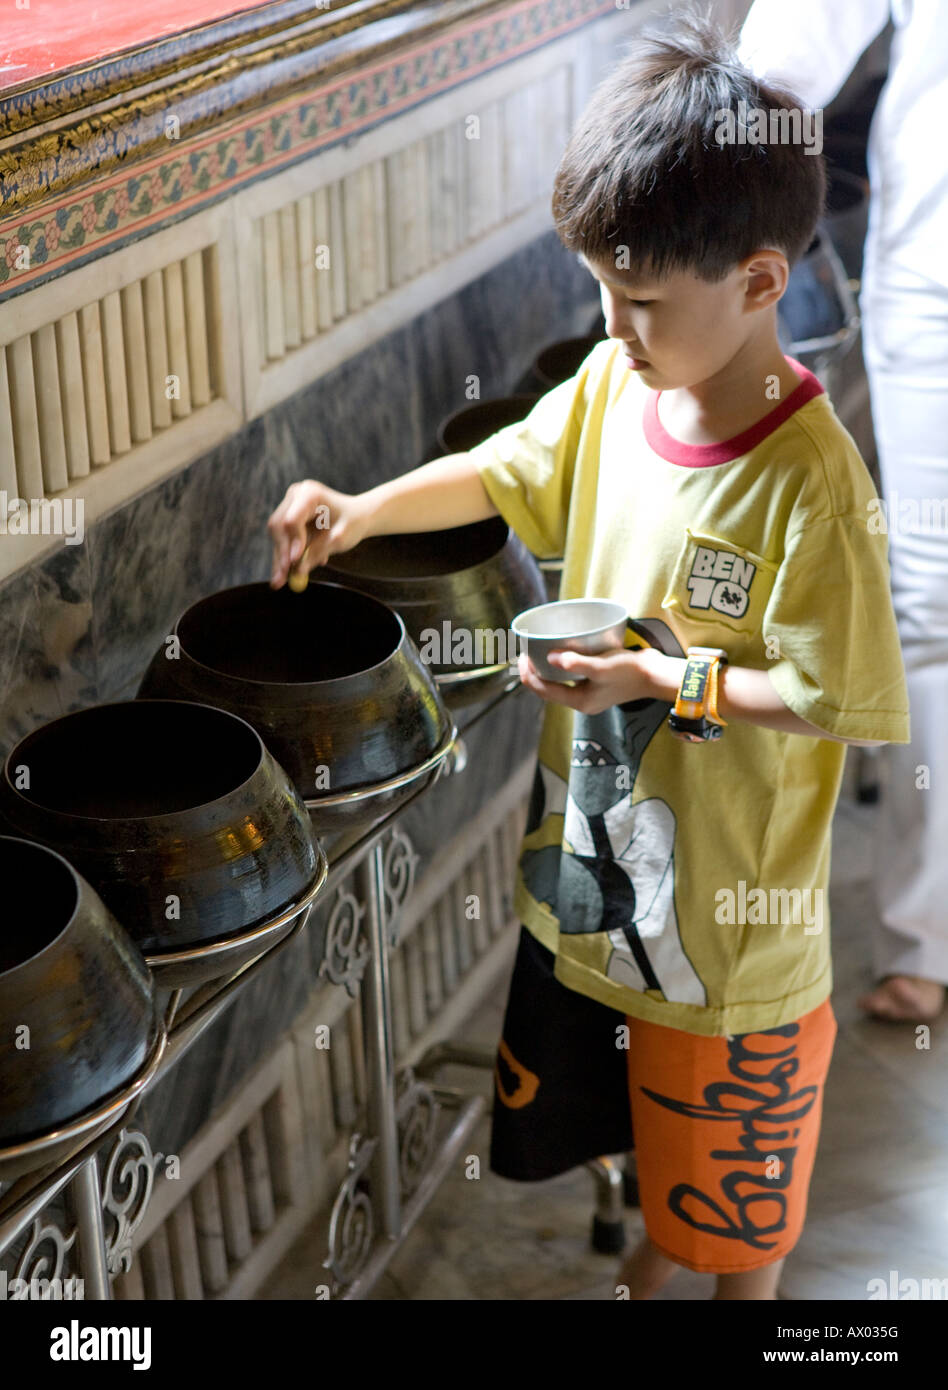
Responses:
[312,523]
[610,679]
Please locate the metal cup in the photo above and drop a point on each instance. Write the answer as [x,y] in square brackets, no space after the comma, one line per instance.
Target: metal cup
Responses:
[587,625]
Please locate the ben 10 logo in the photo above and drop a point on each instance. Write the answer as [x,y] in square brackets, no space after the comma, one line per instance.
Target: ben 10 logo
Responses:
[720,580]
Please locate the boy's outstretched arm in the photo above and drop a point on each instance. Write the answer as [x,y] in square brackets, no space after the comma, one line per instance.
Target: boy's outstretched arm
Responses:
[744,693]
[314,521]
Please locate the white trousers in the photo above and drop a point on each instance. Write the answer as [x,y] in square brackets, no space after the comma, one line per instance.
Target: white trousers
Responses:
[905,328]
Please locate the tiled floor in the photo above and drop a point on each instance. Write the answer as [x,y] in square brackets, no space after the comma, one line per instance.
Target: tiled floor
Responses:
[878,1200]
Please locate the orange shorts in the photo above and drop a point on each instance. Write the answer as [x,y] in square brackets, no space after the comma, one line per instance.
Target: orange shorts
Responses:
[725,1137]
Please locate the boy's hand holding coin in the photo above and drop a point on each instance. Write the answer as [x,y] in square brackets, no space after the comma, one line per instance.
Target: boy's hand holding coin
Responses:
[312,523]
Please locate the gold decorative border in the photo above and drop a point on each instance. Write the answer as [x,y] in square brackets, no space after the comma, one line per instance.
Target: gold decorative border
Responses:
[130,117]
[57,233]
[27,104]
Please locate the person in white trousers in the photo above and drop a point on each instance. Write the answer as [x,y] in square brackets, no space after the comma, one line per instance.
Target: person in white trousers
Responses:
[811,46]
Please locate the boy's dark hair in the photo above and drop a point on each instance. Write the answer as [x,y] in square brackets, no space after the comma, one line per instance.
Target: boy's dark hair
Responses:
[643,168]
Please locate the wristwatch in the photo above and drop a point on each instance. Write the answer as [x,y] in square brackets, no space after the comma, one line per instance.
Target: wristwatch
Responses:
[694,716]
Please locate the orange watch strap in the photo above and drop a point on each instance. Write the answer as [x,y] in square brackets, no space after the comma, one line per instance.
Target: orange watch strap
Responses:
[712,695]
[706,705]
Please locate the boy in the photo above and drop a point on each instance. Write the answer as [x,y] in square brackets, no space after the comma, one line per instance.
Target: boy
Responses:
[674,969]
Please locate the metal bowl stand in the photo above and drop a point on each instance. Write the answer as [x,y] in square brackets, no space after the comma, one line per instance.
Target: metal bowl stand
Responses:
[49,1149]
[68,1158]
[375,1159]
[460,688]
[360,795]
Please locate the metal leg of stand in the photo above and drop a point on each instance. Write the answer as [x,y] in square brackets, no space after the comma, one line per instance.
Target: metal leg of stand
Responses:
[608,1228]
[379,1051]
[462,1054]
[87,1211]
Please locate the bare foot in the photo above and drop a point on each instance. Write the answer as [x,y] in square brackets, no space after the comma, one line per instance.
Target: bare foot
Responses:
[905,999]
[646,1270]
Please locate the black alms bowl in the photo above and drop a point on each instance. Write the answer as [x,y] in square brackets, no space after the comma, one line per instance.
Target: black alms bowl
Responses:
[475,579]
[176,813]
[561,360]
[329,678]
[76,998]
[472,424]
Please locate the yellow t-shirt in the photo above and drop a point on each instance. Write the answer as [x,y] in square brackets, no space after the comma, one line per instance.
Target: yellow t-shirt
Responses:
[687,883]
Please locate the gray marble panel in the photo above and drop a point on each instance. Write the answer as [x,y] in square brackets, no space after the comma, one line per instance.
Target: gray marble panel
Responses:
[47,646]
[355,427]
[495,327]
[177,1107]
[200,530]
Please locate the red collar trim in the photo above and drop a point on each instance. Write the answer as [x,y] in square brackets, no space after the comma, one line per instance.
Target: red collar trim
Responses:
[707,455]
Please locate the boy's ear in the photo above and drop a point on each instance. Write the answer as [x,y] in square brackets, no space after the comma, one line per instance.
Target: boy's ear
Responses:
[767,272]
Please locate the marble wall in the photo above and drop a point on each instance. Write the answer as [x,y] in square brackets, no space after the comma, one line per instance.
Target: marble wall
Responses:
[80,627]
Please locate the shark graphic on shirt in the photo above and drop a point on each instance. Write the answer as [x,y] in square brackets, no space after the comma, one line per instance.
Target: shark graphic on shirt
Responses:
[615,872]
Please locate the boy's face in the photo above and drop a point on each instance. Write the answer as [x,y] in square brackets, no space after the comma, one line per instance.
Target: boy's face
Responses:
[681,331]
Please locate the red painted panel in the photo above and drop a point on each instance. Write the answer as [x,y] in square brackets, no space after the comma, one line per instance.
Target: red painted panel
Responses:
[45,36]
